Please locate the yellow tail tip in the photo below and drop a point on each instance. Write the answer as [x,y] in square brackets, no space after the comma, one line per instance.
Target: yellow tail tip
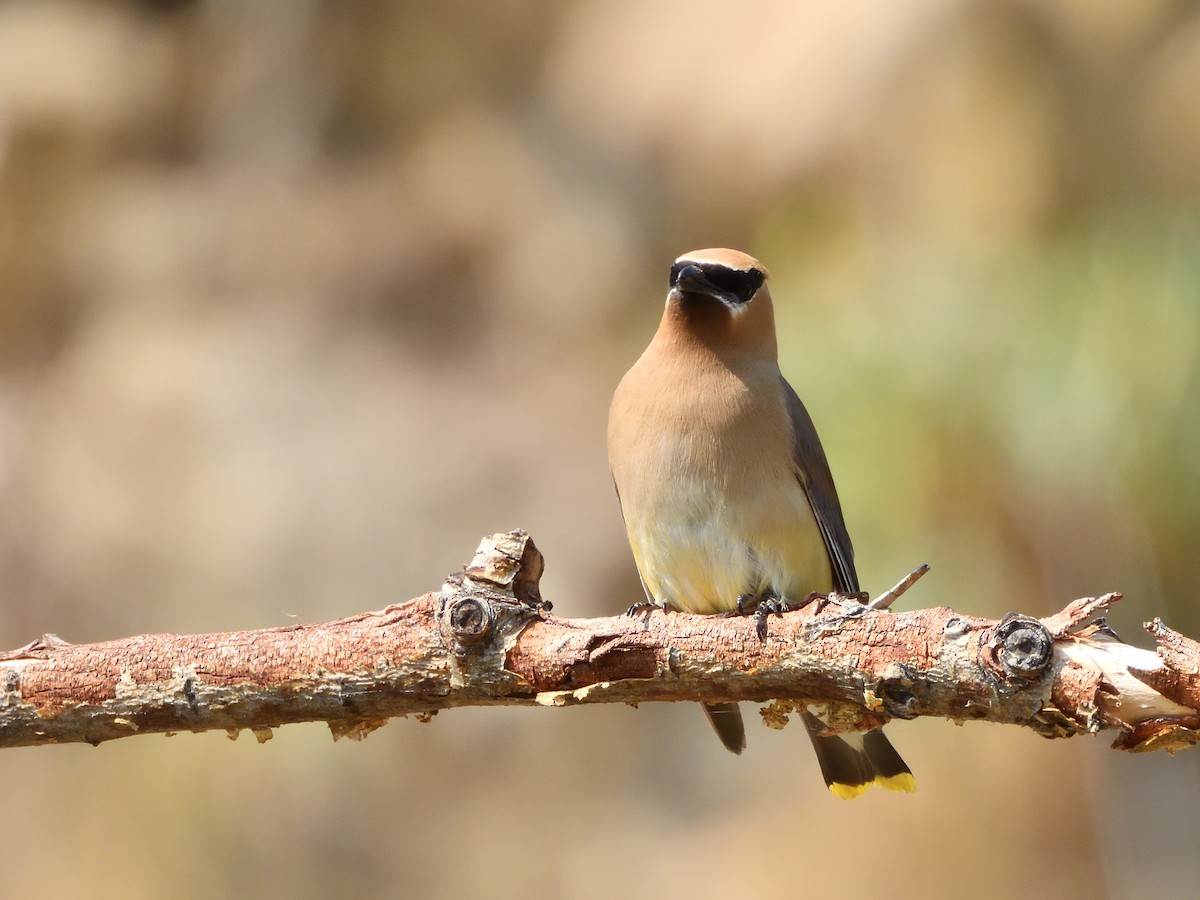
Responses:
[903,783]
[847,791]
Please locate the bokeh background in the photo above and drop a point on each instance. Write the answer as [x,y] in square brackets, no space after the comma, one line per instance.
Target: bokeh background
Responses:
[298,301]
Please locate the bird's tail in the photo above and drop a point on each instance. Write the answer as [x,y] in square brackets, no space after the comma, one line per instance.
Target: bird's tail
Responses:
[726,721]
[853,762]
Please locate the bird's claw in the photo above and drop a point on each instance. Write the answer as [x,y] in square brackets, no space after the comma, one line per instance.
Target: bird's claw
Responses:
[819,599]
[646,606]
[770,605]
[850,606]
[856,602]
[858,599]
[761,606]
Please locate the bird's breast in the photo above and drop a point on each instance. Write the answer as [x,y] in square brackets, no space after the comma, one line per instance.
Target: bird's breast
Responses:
[709,490]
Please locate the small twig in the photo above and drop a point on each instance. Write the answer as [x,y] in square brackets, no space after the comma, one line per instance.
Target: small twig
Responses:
[887,598]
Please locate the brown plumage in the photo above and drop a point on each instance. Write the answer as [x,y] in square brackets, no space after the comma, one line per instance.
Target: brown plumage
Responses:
[723,483]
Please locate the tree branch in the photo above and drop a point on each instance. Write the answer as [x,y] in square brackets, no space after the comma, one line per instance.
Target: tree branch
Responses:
[486,638]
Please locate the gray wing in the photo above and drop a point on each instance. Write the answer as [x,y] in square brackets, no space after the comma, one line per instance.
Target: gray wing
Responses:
[812,468]
[645,589]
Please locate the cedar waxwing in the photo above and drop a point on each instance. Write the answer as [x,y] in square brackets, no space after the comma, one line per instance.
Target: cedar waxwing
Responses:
[725,490]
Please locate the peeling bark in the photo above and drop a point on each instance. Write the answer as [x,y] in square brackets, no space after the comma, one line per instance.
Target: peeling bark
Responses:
[487,638]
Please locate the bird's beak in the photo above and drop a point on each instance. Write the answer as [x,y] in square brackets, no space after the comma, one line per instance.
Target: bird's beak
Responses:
[692,281]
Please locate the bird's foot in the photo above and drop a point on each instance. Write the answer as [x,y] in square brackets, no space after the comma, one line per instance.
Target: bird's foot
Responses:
[816,597]
[857,600]
[855,604]
[646,606]
[761,606]
[848,606]
[746,605]
[772,605]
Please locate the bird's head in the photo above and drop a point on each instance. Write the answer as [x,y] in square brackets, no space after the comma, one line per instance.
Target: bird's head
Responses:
[720,296]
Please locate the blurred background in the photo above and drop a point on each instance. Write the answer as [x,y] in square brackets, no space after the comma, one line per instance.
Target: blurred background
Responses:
[298,301]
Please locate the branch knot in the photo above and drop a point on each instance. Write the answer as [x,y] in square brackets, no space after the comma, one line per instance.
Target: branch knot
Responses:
[1022,646]
[471,619]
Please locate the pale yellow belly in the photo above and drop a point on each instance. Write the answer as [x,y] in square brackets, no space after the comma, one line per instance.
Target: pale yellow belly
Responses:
[697,550]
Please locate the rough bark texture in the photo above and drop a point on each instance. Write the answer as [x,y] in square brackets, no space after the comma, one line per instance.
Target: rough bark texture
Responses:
[487,638]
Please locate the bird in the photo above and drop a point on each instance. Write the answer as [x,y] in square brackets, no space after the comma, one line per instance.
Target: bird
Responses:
[724,487]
